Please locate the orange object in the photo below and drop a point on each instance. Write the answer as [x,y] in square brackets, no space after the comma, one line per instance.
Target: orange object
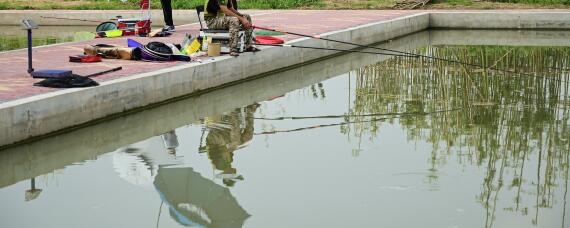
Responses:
[84,58]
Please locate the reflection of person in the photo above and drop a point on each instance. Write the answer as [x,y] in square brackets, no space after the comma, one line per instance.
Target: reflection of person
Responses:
[167,12]
[226,135]
[220,16]
[170,141]
[140,162]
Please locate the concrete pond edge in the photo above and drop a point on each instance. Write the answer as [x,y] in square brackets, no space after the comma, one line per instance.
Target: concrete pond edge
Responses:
[35,116]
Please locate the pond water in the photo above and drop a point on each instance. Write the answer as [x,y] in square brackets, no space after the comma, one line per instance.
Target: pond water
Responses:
[14,37]
[353,141]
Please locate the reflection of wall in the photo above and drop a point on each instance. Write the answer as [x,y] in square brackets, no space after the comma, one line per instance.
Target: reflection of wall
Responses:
[40,157]
[503,38]
[36,158]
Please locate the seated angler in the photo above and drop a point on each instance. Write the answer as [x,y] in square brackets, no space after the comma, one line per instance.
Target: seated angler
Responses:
[220,16]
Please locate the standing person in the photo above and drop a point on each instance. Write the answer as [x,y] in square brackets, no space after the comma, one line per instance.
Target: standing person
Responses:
[225,16]
[167,13]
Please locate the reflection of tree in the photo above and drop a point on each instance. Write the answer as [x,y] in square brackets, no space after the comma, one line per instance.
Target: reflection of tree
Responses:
[506,119]
[226,134]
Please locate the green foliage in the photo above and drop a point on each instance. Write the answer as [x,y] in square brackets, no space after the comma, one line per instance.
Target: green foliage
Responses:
[17,42]
[177,4]
[533,2]
[4,6]
[276,4]
[460,2]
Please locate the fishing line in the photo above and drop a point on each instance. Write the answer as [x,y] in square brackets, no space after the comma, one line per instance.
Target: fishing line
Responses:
[350,122]
[71,19]
[334,49]
[408,53]
[340,116]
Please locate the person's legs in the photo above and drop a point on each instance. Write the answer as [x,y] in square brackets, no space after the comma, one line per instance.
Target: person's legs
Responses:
[230,23]
[248,32]
[249,36]
[167,12]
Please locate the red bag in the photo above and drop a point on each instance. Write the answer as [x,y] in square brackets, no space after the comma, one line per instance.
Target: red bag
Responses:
[268,40]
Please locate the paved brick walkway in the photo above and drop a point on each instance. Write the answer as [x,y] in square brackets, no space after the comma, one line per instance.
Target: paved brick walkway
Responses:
[16,83]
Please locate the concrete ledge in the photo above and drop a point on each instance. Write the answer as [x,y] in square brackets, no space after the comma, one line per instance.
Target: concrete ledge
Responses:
[39,115]
[43,156]
[503,38]
[500,20]
[42,114]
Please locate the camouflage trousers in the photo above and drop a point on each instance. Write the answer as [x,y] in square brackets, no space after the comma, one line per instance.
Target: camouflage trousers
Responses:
[234,25]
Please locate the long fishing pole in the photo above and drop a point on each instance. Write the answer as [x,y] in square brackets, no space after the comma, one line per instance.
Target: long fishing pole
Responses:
[407,53]
[339,116]
[104,72]
[71,19]
[351,122]
[336,49]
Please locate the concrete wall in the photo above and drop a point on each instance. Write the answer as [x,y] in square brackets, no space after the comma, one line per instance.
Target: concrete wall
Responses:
[43,114]
[43,156]
[39,115]
[500,20]
[502,38]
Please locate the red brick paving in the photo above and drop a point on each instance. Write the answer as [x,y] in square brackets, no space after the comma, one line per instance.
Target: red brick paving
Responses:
[16,83]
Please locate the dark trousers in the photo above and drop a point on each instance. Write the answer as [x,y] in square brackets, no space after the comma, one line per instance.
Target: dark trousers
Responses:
[167,11]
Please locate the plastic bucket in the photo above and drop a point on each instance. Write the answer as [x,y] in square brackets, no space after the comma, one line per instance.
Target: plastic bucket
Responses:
[214,49]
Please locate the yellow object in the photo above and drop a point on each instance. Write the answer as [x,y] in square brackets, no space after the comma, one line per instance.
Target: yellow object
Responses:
[193,47]
[114,33]
[214,49]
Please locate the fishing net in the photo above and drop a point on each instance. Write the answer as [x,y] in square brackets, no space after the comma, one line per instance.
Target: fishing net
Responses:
[106,26]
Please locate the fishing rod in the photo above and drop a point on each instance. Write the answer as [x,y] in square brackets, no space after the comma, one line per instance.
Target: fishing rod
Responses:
[352,122]
[71,19]
[339,116]
[335,49]
[104,72]
[407,53]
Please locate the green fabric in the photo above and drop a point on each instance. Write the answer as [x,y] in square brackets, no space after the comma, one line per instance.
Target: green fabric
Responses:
[268,33]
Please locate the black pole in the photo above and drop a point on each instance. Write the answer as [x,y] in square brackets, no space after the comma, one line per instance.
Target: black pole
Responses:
[30,68]
[104,72]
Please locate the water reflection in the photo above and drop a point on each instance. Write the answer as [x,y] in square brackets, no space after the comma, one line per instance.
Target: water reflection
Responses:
[193,200]
[506,120]
[508,132]
[226,134]
[139,163]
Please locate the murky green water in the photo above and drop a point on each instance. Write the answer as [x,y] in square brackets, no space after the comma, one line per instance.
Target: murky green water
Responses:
[353,141]
[14,37]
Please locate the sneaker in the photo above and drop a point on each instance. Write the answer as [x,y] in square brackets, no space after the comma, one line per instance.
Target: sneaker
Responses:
[169,28]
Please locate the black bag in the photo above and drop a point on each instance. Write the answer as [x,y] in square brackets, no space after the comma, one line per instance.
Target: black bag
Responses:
[68,82]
